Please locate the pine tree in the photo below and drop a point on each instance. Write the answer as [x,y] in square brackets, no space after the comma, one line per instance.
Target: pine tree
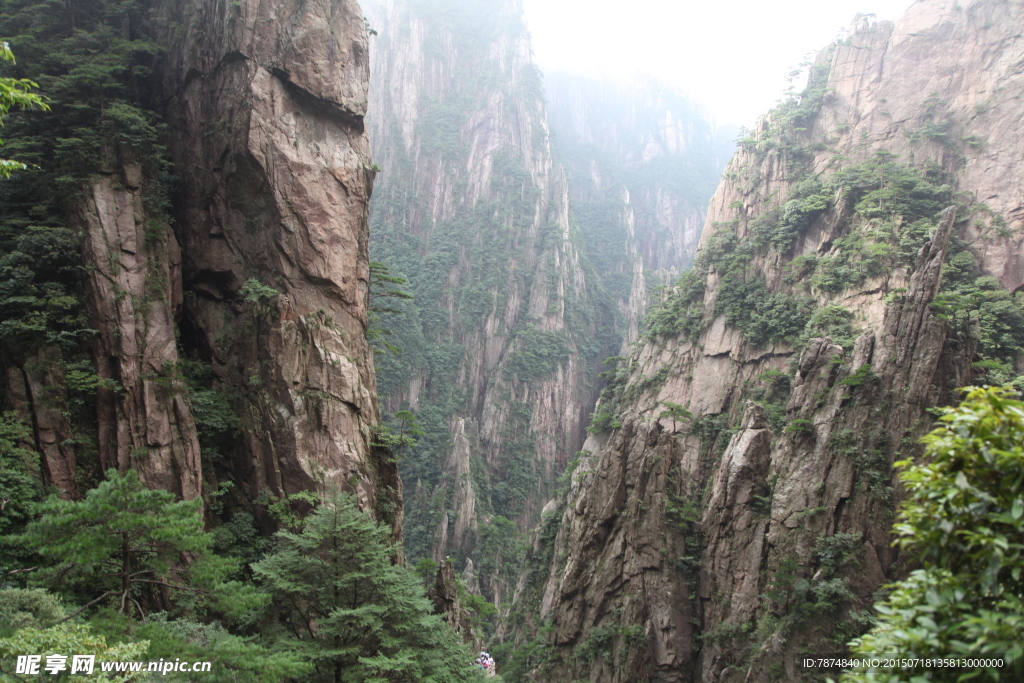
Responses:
[132,547]
[353,613]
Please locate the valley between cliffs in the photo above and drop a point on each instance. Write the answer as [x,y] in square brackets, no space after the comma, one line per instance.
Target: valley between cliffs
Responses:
[290,260]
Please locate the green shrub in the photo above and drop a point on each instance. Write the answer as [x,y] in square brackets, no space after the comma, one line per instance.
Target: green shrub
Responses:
[762,317]
[863,375]
[682,312]
[833,321]
[964,523]
[800,427]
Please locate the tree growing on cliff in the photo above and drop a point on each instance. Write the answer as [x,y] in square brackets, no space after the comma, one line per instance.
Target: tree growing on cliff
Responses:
[965,522]
[352,612]
[383,295]
[15,92]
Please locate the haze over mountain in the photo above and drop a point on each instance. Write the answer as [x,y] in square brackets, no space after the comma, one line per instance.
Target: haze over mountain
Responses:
[733,57]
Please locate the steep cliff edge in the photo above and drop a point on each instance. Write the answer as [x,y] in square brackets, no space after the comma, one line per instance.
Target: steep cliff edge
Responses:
[266,104]
[203,233]
[736,511]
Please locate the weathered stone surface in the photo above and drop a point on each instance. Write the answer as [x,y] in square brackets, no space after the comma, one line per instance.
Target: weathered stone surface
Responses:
[133,290]
[444,593]
[772,498]
[266,104]
[39,397]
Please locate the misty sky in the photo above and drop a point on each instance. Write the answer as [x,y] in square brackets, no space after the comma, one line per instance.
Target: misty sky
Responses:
[730,55]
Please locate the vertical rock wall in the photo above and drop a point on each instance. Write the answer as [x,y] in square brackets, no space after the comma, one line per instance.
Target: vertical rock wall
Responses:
[498,346]
[244,260]
[38,395]
[763,526]
[134,291]
[642,162]
[265,106]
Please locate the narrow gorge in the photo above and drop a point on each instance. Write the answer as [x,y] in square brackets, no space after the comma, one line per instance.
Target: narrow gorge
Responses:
[525,253]
[340,342]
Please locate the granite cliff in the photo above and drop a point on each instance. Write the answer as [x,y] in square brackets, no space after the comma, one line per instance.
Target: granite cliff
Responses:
[227,305]
[267,105]
[526,268]
[859,261]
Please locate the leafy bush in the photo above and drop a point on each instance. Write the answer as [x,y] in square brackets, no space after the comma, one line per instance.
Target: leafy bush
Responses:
[863,375]
[882,187]
[40,302]
[15,92]
[70,638]
[964,521]
[682,312]
[832,321]
[800,427]
[605,417]
[20,487]
[968,295]
[762,317]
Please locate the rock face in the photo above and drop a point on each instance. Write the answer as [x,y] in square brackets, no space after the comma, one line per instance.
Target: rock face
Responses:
[523,253]
[445,596]
[134,291]
[640,155]
[498,346]
[266,105]
[38,394]
[226,292]
[755,513]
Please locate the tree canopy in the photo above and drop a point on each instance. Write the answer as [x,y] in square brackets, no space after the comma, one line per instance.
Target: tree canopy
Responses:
[964,523]
[15,92]
[131,546]
[352,612]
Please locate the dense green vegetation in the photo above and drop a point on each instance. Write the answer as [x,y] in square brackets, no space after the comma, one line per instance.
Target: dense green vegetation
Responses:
[964,523]
[967,296]
[894,208]
[345,606]
[91,59]
[132,569]
[473,272]
[15,92]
